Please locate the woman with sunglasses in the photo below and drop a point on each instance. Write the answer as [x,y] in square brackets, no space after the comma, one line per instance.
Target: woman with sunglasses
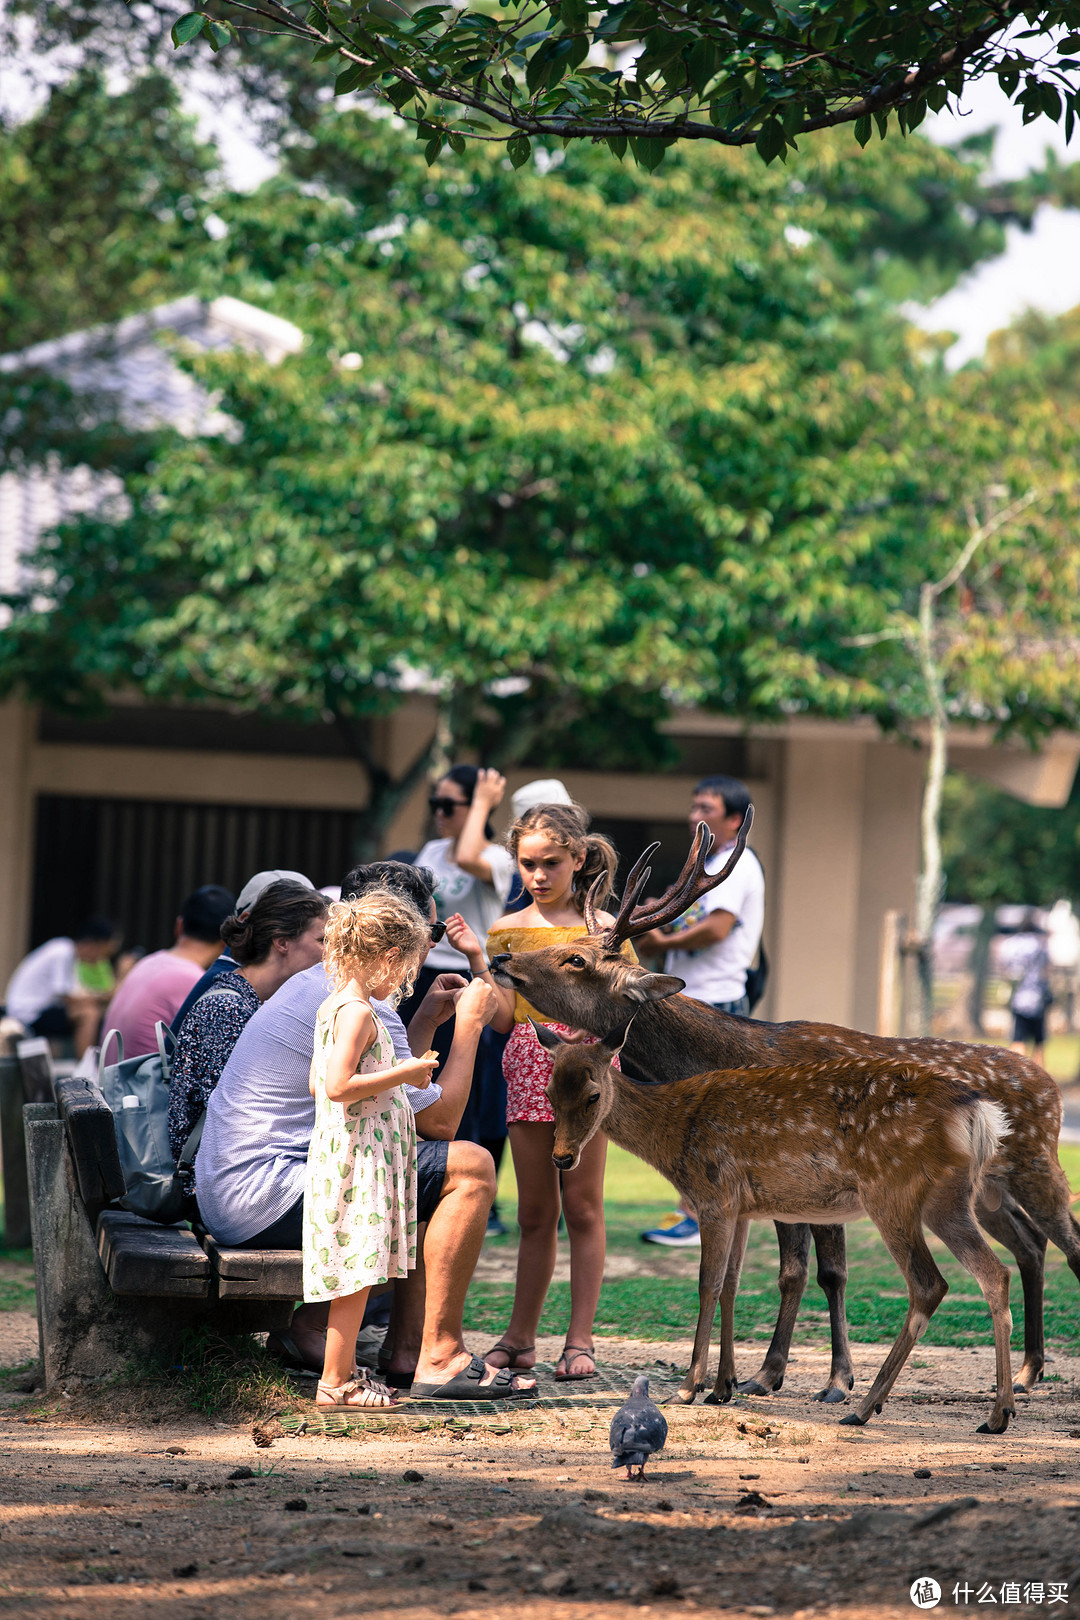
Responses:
[473,879]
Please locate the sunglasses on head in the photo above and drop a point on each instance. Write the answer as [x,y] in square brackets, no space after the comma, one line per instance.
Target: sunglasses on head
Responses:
[438,931]
[446,807]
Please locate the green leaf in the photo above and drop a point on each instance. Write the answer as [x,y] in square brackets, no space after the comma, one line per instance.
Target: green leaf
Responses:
[400,94]
[456,141]
[864,128]
[217,33]
[354,75]
[519,150]
[432,149]
[771,141]
[187,28]
[617,145]
[648,150]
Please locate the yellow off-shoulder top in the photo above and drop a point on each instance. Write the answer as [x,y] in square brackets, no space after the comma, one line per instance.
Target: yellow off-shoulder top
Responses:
[537,939]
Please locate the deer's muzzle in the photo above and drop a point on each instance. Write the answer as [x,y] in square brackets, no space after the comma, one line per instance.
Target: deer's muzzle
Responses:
[563,1161]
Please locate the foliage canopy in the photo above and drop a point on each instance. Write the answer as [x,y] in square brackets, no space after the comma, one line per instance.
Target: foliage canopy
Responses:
[760,73]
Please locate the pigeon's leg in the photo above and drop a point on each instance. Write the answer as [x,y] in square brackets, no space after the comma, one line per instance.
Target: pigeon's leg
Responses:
[717,1236]
[726,1381]
[794,1244]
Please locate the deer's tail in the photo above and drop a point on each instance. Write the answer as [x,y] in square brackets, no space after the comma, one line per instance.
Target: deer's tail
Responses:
[977,1132]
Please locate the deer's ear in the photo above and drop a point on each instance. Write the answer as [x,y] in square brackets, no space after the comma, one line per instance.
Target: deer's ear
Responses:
[654,987]
[547,1037]
[615,1039]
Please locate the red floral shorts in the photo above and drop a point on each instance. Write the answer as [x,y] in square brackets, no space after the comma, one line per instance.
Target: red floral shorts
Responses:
[527,1068]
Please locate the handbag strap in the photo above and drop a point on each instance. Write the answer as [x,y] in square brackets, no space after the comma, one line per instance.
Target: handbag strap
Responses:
[191,1146]
[166,1045]
[104,1048]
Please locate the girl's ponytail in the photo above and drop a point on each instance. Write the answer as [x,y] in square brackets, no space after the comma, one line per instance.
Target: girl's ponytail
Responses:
[601,859]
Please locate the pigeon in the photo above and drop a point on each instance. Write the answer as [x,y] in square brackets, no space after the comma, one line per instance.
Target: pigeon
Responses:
[638,1431]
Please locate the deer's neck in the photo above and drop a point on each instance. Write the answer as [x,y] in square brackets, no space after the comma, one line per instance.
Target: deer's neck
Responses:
[632,1121]
[674,1039]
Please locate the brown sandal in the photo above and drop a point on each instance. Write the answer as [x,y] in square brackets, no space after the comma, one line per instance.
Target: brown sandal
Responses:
[513,1352]
[570,1352]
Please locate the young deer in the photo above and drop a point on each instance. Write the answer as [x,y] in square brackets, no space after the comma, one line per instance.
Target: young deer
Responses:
[897,1142]
[589,985]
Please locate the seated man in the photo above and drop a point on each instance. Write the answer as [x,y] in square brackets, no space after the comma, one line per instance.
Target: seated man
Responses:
[251,1165]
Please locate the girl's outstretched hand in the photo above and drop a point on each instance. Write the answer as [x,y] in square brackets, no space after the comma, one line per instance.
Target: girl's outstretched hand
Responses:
[464,940]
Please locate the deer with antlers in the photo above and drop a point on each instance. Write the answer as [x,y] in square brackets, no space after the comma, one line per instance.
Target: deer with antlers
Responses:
[897,1142]
[1022,1201]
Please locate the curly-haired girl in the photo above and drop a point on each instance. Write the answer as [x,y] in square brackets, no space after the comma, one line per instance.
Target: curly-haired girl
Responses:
[360,1199]
[559,860]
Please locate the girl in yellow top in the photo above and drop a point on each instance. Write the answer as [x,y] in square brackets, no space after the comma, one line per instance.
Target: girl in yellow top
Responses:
[559,859]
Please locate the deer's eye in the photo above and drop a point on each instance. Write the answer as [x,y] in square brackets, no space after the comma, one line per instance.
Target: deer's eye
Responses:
[591,1102]
[574,961]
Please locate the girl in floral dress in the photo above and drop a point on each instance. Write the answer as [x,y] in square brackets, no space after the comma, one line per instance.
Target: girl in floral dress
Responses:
[559,860]
[360,1197]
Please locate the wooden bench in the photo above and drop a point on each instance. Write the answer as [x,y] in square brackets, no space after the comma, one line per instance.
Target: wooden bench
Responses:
[113,1287]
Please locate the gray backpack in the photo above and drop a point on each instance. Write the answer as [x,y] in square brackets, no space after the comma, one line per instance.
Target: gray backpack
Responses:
[137,1091]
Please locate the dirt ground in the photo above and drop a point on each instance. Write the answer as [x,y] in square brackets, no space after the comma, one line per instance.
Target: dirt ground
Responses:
[758,1508]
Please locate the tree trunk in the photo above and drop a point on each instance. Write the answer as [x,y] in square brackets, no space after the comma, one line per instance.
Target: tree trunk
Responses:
[928,887]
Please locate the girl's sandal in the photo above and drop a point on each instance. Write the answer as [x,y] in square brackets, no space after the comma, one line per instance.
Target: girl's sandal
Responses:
[570,1354]
[513,1353]
[359,1391]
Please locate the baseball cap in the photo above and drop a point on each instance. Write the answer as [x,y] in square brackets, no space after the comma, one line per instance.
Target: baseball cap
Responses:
[548,791]
[262,880]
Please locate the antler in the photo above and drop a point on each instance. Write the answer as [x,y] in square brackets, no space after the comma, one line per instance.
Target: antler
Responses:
[636,880]
[693,881]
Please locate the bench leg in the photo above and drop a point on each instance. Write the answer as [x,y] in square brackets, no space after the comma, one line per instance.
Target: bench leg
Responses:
[16,1205]
[86,1331]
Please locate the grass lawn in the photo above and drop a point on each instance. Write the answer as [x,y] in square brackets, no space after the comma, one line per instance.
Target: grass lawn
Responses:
[665,1307]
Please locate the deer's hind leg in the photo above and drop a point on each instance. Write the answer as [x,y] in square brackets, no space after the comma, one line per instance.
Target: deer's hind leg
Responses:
[794,1244]
[726,1381]
[1040,1186]
[1018,1233]
[948,1214]
[831,1245]
[901,1231]
[717,1238]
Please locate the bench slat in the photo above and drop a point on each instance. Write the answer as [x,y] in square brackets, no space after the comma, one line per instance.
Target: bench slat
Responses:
[91,1135]
[256,1273]
[142,1258]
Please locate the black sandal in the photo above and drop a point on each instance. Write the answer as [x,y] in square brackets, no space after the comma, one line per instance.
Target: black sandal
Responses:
[466,1386]
[513,1351]
[570,1352]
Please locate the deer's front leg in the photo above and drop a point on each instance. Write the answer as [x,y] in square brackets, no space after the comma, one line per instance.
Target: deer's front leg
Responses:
[717,1237]
[794,1244]
[831,1245]
[726,1381]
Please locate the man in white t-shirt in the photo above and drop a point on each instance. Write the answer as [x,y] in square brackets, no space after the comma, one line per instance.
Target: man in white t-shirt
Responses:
[47,994]
[712,946]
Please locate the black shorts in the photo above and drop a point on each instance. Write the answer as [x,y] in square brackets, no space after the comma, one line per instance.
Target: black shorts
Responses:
[287,1232]
[53,1022]
[1030,1027]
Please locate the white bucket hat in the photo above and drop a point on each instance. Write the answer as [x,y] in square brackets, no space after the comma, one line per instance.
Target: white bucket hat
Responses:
[549,791]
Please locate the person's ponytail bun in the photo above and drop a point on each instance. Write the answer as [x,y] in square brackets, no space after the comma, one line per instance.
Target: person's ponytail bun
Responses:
[285,910]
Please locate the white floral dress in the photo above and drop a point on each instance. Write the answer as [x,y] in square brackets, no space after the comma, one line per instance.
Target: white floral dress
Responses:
[360,1197]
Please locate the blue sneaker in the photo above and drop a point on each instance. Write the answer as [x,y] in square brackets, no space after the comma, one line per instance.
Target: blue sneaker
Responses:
[681,1232]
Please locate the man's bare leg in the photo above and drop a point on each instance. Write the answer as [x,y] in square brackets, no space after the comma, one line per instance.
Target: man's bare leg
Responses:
[455,1237]
[406,1331]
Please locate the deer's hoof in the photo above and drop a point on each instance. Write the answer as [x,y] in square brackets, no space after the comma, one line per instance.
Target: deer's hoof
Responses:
[996,1427]
[854,1421]
[831,1396]
[685,1397]
[752,1387]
